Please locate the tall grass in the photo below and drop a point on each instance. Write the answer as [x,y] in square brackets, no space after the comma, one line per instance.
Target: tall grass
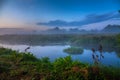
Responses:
[25,66]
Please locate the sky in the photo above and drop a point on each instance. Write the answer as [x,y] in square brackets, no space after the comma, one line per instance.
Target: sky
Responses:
[52,13]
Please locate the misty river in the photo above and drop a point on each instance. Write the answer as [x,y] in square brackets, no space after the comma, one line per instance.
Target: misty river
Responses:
[56,51]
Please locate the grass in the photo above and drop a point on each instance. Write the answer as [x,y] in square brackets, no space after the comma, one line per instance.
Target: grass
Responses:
[25,66]
[74,50]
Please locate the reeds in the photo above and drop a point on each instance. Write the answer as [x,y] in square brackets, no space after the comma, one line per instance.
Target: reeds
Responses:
[96,58]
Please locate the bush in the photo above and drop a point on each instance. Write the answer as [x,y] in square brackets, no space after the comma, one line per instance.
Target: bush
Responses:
[17,66]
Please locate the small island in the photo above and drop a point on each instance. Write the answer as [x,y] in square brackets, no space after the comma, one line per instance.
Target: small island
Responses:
[74,50]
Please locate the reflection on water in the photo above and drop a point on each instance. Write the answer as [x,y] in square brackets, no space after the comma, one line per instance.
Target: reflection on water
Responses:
[97,57]
[56,51]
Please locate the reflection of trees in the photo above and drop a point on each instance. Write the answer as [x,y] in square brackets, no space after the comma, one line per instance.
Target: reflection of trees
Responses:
[118,44]
[118,52]
[105,47]
[97,57]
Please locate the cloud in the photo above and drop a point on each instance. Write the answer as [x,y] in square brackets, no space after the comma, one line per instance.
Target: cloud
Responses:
[100,25]
[89,19]
[55,23]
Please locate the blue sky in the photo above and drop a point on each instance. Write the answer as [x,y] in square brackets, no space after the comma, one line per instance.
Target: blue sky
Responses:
[20,13]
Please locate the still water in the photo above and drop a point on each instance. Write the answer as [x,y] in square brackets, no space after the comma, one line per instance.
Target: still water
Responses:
[56,51]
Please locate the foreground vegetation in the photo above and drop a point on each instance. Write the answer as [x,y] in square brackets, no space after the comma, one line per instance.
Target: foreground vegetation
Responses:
[24,66]
[74,50]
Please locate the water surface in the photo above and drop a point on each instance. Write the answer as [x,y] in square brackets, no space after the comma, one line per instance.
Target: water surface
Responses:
[56,51]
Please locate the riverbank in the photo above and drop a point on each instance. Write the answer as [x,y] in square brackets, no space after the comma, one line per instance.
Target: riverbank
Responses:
[16,66]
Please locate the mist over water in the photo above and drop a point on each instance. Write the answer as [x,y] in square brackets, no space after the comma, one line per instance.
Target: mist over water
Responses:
[57,51]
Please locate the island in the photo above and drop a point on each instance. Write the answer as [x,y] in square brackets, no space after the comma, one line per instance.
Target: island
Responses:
[74,50]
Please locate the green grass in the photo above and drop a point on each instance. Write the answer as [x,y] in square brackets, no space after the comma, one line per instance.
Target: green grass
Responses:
[25,66]
[74,50]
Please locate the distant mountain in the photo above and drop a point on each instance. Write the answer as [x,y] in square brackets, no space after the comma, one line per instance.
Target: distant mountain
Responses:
[101,25]
[112,28]
[56,30]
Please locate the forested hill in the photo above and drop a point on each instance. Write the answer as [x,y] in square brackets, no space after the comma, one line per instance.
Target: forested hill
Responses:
[112,28]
